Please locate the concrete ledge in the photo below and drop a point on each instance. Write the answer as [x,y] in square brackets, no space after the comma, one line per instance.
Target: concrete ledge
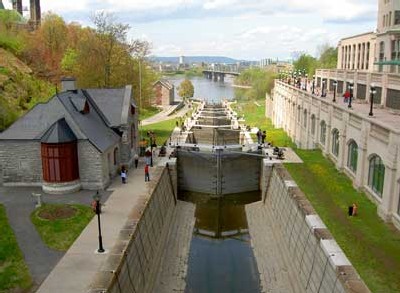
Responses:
[61,188]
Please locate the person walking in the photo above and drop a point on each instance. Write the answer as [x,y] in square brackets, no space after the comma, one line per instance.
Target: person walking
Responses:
[123,176]
[136,158]
[146,173]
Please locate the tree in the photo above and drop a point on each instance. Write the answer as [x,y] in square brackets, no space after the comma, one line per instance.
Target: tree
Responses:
[306,62]
[186,90]
[328,57]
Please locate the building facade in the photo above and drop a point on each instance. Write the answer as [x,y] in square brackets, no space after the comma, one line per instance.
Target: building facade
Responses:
[78,139]
[164,92]
[366,149]
[375,51]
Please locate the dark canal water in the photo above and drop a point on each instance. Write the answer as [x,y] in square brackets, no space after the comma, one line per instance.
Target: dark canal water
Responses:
[221,258]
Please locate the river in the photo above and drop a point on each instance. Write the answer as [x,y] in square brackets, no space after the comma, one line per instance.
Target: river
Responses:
[207,89]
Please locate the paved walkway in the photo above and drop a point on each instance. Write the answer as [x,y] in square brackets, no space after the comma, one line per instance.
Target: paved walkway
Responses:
[166,115]
[82,254]
[19,205]
[381,115]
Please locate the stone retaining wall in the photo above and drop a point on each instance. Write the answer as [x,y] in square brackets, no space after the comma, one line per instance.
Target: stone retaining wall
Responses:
[134,261]
[314,260]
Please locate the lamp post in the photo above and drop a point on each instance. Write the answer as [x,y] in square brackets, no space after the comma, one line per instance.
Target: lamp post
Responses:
[372,91]
[334,90]
[98,212]
[351,86]
[151,150]
[313,84]
[323,88]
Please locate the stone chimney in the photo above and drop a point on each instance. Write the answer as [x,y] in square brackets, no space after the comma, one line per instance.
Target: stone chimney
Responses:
[68,84]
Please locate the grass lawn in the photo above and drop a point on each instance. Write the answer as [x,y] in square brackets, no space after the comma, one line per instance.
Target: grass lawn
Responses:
[148,112]
[14,273]
[59,229]
[372,246]
[162,130]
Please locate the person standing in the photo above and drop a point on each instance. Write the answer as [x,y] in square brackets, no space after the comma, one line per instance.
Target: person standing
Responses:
[136,158]
[263,137]
[259,136]
[146,173]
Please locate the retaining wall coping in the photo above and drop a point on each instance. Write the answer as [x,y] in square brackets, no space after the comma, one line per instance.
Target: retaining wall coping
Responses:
[335,253]
[314,222]
[351,280]
[290,183]
[322,234]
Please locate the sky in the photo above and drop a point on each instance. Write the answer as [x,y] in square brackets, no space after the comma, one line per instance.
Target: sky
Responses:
[241,29]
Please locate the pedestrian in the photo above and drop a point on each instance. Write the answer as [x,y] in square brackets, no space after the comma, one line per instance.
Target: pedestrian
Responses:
[263,137]
[346,97]
[123,176]
[146,173]
[136,158]
[259,135]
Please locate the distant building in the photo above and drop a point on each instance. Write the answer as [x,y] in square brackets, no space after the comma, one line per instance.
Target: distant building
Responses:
[164,92]
[78,139]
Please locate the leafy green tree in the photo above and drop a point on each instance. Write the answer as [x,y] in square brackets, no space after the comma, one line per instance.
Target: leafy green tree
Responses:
[261,82]
[328,57]
[306,62]
[186,90]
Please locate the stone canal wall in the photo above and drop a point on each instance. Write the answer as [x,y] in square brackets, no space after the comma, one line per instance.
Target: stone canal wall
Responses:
[303,256]
[134,262]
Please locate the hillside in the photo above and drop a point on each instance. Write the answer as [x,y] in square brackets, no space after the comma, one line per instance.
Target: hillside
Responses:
[20,90]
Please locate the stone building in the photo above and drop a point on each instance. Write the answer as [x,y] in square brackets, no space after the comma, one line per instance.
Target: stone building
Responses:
[366,149]
[164,92]
[370,59]
[78,139]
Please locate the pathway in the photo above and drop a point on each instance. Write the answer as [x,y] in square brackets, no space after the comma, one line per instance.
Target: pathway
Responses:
[19,205]
[166,114]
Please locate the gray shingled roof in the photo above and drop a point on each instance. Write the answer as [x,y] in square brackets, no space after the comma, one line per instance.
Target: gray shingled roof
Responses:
[60,132]
[110,102]
[92,126]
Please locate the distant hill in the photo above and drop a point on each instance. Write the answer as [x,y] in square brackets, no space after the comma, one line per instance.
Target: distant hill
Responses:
[196,59]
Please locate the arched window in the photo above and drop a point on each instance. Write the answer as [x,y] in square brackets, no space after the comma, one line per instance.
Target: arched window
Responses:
[335,142]
[305,118]
[352,156]
[313,124]
[115,156]
[376,175]
[322,138]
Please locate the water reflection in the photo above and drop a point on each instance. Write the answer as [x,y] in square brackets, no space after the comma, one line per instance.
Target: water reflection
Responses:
[221,259]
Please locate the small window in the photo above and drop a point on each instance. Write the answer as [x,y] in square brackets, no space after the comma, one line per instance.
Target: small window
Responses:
[322,138]
[335,142]
[352,157]
[397,17]
[376,175]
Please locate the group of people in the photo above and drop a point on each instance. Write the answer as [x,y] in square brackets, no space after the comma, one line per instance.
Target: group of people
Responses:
[261,136]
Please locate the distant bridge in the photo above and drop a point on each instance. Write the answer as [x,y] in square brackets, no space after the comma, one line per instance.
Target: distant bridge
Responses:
[218,75]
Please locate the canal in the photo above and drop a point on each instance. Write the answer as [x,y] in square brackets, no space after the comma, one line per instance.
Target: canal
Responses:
[221,258]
